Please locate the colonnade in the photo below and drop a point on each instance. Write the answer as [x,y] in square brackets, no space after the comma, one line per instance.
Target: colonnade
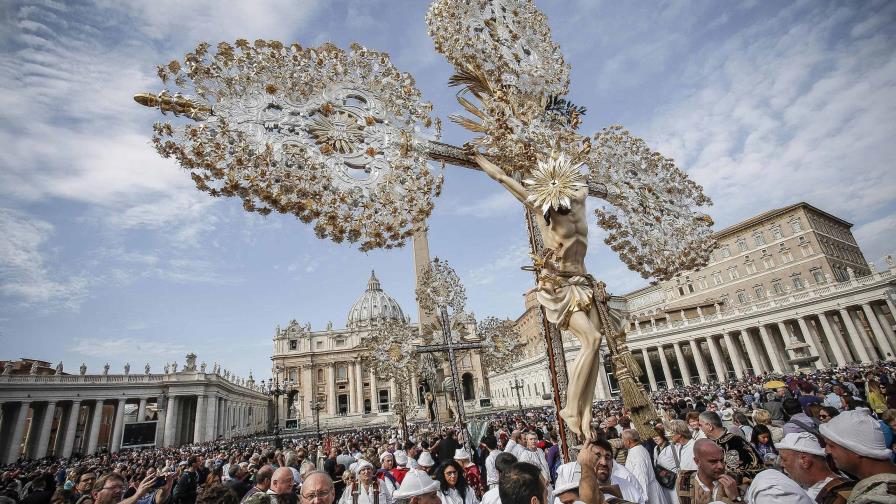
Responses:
[351,385]
[834,337]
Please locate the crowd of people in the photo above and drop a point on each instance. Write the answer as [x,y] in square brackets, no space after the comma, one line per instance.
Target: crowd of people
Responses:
[824,437]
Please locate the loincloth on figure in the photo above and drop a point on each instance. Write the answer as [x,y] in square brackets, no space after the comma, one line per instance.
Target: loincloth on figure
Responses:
[572,293]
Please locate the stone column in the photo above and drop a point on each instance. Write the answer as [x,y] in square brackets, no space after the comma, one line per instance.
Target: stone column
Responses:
[755,361]
[94,437]
[885,324]
[141,410]
[18,431]
[834,340]
[857,340]
[649,369]
[771,347]
[359,387]
[701,364]
[886,350]
[815,347]
[392,394]
[716,355]
[682,364]
[666,371]
[414,390]
[785,335]
[201,418]
[734,354]
[374,395]
[171,421]
[602,389]
[307,391]
[331,389]
[71,426]
[46,425]
[211,420]
[117,426]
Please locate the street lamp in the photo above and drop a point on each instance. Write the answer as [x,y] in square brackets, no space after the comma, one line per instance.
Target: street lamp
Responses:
[316,405]
[275,390]
[517,386]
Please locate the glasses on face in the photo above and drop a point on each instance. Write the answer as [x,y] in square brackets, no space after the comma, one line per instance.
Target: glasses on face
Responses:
[449,474]
[321,494]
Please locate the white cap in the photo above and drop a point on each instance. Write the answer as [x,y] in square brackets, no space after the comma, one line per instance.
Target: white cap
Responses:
[461,454]
[568,477]
[361,464]
[773,487]
[425,460]
[386,454]
[856,431]
[415,483]
[401,458]
[296,477]
[801,442]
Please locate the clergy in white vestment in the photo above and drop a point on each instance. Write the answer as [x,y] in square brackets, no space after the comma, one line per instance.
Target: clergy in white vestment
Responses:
[531,453]
[611,473]
[638,462]
[366,489]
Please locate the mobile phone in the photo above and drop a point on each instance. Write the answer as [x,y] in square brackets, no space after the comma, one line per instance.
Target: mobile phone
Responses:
[159,482]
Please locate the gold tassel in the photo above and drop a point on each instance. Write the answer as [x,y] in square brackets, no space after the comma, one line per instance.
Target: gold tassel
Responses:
[629,361]
[632,396]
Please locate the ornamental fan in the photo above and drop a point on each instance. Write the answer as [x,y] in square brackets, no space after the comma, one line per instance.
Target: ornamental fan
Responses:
[336,138]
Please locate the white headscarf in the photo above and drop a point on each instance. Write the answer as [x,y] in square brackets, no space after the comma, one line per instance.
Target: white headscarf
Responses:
[773,487]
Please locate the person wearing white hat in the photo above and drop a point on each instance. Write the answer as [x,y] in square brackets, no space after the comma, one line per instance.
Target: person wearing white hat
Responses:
[803,459]
[366,489]
[855,440]
[417,488]
[773,487]
[425,462]
[471,472]
[566,489]
[385,475]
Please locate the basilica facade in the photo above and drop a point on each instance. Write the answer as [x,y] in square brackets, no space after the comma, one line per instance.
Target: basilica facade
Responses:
[324,380]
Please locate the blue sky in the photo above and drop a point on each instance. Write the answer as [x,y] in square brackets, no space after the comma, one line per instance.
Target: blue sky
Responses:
[109,254]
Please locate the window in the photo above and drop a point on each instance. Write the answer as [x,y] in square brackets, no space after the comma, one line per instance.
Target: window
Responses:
[759,238]
[776,232]
[339,342]
[702,283]
[777,286]
[293,375]
[342,372]
[751,268]
[759,291]
[319,345]
[725,251]
[732,273]
[320,375]
[796,225]
[805,246]
[717,278]
[742,297]
[293,344]
[818,275]
[797,282]
[742,244]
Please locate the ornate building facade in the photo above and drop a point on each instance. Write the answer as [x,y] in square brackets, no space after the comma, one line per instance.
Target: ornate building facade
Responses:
[325,379]
[787,289]
[48,412]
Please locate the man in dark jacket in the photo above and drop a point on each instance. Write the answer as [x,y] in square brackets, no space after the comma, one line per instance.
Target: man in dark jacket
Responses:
[188,484]
[239,480]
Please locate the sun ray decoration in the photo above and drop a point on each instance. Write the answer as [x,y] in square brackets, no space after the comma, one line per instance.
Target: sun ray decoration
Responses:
[438,286]
[500,343]
[336,138]
[554,182]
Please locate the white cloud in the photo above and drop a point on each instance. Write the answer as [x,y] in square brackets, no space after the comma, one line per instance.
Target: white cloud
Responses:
[125,348]
[877,238]
[25,276]
[510,259]
[494,205]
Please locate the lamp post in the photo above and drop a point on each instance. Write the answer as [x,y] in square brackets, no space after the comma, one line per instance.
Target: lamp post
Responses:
[517,386]
[316,405]
[275,390]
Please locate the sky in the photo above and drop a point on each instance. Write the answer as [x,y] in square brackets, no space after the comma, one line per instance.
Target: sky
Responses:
[109,254]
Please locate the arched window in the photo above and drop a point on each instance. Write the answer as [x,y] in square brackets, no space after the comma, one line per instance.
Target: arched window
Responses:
[467,384]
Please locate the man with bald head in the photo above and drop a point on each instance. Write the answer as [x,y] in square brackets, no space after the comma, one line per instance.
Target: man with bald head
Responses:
[281,487]
[317,487]
[708,483]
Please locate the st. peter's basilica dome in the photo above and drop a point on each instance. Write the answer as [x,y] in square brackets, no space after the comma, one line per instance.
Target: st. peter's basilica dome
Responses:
[373,306]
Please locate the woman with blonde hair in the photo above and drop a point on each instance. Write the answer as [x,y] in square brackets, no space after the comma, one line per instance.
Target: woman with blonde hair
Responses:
[874,391]
[763,417]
